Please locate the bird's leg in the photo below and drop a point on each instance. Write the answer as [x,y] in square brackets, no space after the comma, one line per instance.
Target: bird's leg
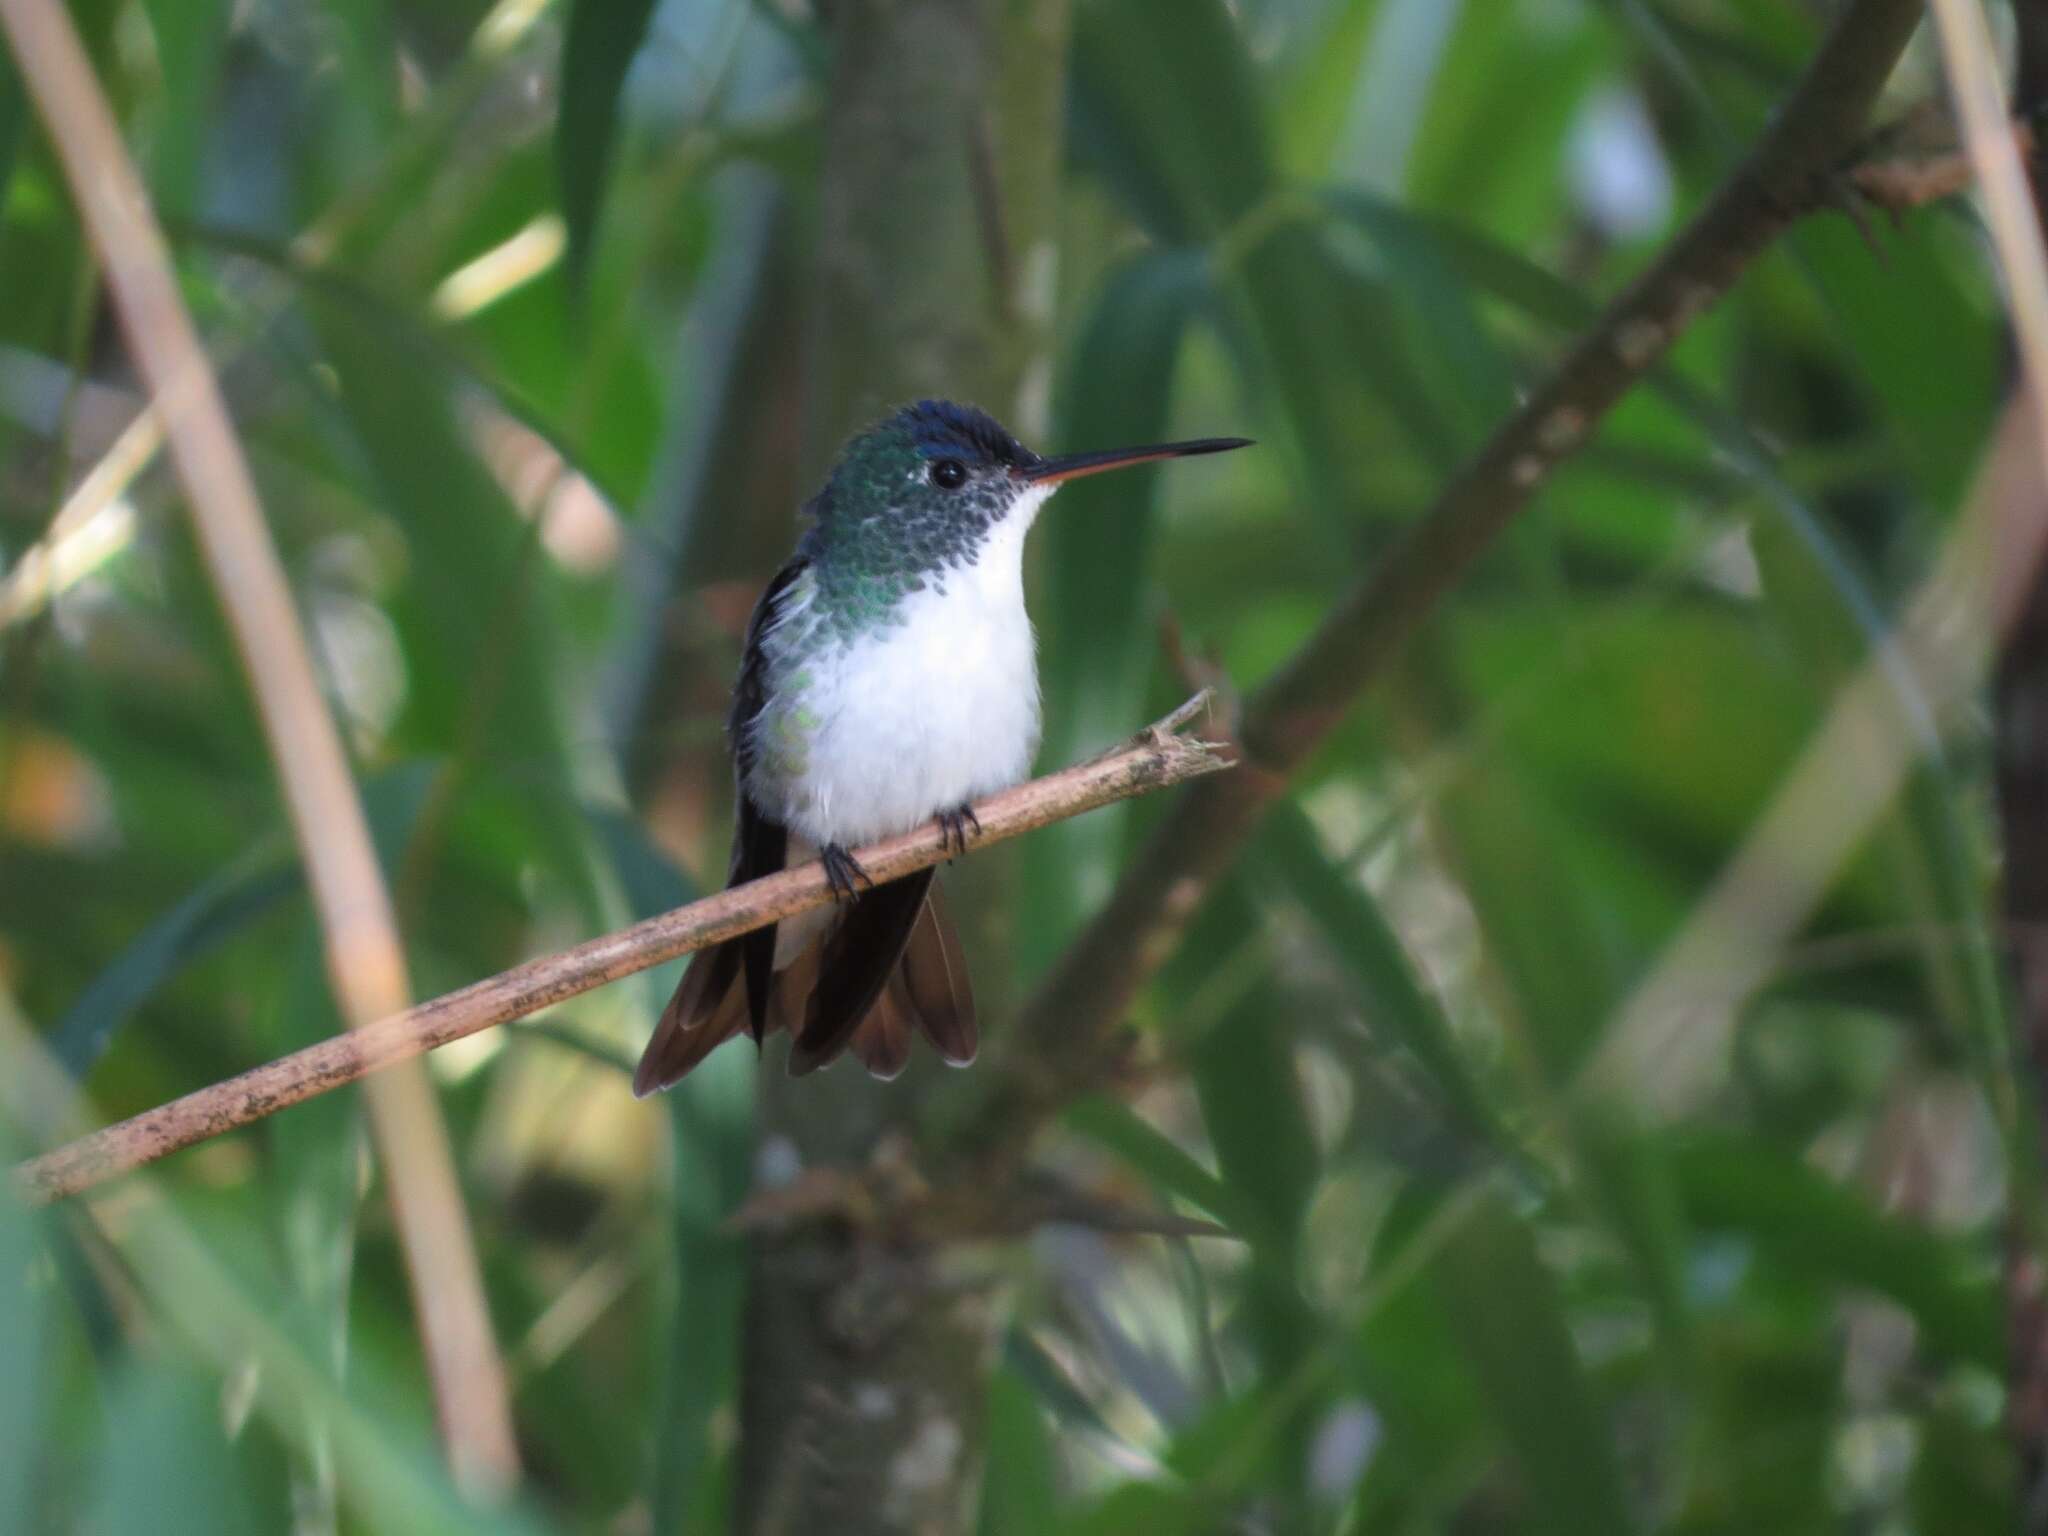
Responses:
[844,873]
[953,827]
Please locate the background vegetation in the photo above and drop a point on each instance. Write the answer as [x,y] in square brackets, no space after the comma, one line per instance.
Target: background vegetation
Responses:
[539,320]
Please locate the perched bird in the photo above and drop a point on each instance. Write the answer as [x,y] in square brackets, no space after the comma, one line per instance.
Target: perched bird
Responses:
[889,678]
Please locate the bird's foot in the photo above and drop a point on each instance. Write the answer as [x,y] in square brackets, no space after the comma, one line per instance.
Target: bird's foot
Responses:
[953,827]
[843,872]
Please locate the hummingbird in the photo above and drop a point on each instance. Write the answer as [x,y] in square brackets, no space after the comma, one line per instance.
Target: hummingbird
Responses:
[889,678]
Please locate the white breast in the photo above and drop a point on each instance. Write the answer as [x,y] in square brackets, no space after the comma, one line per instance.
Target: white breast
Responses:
[929,712]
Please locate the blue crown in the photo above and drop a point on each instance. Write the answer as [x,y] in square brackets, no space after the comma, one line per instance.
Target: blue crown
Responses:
[944,430]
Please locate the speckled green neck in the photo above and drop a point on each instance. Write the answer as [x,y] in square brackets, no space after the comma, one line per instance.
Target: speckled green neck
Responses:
[881,530]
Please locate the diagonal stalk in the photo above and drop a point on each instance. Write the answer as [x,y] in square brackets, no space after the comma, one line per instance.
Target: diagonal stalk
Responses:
[1064,1042]
[365,960]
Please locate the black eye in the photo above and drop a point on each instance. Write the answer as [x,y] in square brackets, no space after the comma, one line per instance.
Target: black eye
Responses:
[949,474]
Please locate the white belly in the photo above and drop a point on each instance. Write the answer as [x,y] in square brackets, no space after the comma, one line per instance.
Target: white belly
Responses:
[922,715]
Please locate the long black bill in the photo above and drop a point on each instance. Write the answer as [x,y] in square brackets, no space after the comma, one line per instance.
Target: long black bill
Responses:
[1072,466]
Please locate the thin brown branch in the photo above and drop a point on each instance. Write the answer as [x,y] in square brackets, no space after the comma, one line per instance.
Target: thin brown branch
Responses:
[1154,759]
[1064,1041]
[365,961]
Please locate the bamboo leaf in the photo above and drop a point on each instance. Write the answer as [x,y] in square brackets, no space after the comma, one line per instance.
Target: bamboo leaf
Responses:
[1810,1224]
[1512,1330]
[1096,556]
[1252,1106]
[166,1467]
[191,42]
[597,51]
[1019,1493]
[1156,1509]
[13,123]
[222,907]
[1119,1131]
[25,1348]
[1372,958]
[710,1118]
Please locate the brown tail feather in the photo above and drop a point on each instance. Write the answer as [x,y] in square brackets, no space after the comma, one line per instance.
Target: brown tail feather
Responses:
[940,997]
[922,988]
[706,1011]
[882,1043]
[793,988]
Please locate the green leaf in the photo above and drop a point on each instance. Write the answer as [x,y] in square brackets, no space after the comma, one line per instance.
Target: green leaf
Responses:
[191,43]
[1316,103]
[222,906]
[1156,1509]
[1165,105]
[218,910]
[25,1345]
[1163,109]
[1479,384]
[13,123]
[1491,143]
[166,1466]
[1511,1327]
[314,1198]
[597,51]
[711,1132]
[1117,1129]
[1373,959]
[1404,1362]
[1020,1490]
[477,611]
[1628,1183]
[1258,1122]
[1806,1221]
[1096,556]
[1033,1368]
[1257,1118]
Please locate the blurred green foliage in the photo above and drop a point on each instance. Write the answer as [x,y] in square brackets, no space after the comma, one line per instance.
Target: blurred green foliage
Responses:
[508,300]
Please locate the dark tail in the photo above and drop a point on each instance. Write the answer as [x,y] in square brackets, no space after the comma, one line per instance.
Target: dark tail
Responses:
[891,966]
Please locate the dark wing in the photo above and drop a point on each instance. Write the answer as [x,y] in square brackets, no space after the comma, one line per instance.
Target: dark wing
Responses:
[697,1019]
[760,844]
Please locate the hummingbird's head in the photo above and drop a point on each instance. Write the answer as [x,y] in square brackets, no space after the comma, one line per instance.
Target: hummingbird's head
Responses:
[933,481]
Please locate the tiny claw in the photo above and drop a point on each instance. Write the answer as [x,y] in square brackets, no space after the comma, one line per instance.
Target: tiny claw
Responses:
[843,872]
[953,827]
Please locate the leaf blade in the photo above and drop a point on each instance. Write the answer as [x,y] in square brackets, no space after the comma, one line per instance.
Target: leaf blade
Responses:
[597,52]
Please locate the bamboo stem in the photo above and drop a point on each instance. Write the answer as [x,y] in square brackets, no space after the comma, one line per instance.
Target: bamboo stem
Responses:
[365,960]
